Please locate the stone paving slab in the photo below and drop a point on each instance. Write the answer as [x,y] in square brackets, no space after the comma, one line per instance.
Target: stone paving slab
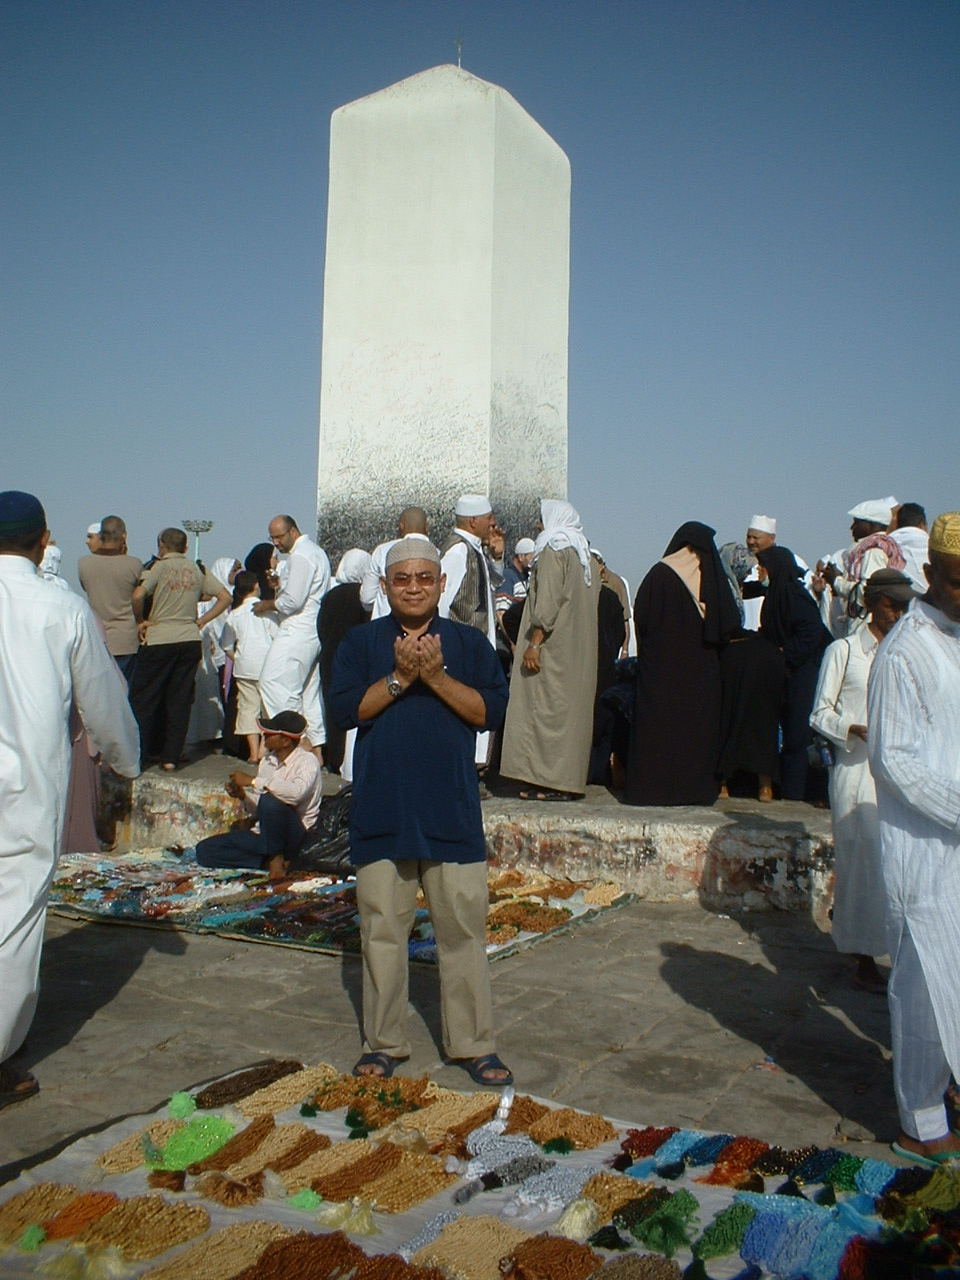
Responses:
[663,1012]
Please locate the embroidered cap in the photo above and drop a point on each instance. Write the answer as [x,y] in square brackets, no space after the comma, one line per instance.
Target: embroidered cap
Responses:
[945,534]
[412,548]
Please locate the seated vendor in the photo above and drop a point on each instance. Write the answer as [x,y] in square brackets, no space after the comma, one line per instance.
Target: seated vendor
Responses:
[285,795]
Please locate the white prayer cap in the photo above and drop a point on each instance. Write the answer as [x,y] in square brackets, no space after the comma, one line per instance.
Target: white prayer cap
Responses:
[524,546]
[93,530]
[874,511]
[763,524]
[473,504]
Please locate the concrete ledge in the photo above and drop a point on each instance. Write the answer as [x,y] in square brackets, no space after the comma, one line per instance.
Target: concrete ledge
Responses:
[740,854]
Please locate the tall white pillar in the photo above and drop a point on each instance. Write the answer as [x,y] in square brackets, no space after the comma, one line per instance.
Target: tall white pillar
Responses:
[444,363]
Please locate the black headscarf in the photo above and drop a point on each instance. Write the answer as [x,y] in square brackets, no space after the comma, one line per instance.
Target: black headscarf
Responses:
[721,616]
[784,595]
[258,561]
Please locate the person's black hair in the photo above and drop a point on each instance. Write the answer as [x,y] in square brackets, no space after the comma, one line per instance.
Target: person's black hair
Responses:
[243,584]
[18,542]
[911,516]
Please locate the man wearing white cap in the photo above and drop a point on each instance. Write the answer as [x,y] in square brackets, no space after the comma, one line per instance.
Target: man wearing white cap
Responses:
[93,538]
[468,594]
[761,533]
[913,743]
[872,550]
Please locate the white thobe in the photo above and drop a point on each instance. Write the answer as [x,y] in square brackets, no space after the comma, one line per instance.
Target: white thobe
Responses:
[849,591]
[913,717]
[51,654]
[859,902]
[290,679]
[454,565]
[372,595]
[915,545]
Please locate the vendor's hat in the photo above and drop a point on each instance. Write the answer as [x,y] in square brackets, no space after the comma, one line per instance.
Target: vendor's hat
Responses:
[20,513]
[473,504]
[763,524]
[874,511]
[945,534]
[890,583]
[290,723]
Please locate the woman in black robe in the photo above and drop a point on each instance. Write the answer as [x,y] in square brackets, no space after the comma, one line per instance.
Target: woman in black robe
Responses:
[753,675]
[684,611]
[790,619]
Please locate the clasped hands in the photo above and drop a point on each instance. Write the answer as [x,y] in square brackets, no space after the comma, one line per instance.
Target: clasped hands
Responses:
[418,658]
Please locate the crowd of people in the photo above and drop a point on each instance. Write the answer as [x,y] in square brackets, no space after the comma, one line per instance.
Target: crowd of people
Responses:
[426,674]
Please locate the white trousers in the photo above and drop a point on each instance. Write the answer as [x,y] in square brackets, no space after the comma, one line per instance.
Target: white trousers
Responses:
[24,886]
[290,681]
[921,1072]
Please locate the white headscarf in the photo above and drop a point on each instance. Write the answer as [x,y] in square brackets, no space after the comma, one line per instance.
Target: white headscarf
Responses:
[561,529]
[222,570]
[50,566]
[353,565]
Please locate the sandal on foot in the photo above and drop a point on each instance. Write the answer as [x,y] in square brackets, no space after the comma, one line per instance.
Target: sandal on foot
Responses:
[16,1085]
[480,1070]
[933,1161]
[385,1066]
[547,794]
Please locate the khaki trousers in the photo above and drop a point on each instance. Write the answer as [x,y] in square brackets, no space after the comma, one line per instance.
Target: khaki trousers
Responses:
[457,900]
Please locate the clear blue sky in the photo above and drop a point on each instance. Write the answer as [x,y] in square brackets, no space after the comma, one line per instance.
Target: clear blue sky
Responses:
[765,270]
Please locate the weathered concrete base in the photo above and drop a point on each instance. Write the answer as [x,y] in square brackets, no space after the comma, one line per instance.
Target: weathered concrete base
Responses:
[737,855]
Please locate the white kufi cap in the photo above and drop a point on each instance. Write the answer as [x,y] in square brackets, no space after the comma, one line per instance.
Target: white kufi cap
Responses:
[93,529]
[525,546]
[763,524]
[473,504]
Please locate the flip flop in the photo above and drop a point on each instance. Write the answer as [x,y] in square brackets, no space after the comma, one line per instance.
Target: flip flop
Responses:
[479,1069]
[547,795]
[386,1064]
[16,1085]
[929,1162]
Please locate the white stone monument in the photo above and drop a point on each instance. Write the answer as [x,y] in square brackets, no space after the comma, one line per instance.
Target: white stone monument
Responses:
[444,362]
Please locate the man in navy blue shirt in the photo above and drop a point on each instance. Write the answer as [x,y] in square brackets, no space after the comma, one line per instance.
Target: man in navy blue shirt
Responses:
[419,687]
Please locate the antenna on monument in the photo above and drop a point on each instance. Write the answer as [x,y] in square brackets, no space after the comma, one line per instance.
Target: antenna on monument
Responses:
[459,43]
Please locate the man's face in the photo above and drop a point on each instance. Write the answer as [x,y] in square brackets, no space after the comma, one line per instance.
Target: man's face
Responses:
[757,540]
[943,575]
[93,542]
[886,613]
[525,560]
[413,589]
[482,526]
[282,537]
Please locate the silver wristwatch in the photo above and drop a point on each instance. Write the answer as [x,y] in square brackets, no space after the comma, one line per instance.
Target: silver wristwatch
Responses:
[394,687]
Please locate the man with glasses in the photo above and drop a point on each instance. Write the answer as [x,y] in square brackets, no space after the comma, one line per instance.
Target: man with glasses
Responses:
[419,688]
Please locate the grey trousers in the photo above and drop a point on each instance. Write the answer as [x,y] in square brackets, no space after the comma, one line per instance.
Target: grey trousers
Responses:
[457,899]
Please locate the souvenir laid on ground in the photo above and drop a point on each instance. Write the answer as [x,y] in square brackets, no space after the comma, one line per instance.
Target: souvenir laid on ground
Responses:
[282,1170]
[160,887]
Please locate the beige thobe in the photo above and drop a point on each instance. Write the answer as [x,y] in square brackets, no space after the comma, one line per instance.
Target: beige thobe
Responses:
[549,726]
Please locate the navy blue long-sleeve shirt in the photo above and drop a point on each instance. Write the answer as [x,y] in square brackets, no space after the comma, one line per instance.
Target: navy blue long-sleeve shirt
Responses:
[415,788]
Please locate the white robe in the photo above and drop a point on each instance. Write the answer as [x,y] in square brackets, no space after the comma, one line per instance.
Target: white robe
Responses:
[914,750]
[454,566]
[290,679]
[859,902]
[51,654]
[914,543]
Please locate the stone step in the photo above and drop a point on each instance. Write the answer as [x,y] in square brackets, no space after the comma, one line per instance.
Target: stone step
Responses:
[737,855]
